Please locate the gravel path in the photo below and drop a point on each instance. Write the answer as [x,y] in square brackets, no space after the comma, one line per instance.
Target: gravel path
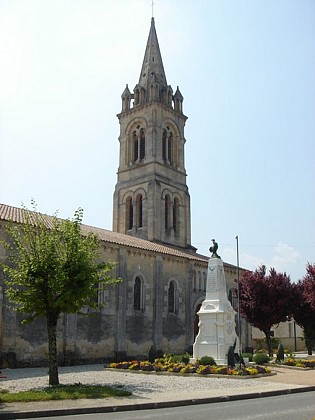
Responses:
[140,384]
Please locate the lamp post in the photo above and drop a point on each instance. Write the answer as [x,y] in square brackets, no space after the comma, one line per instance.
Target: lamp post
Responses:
[290,321]
[238,300]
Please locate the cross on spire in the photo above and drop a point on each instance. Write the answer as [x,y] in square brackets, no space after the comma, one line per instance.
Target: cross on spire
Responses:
[152,5]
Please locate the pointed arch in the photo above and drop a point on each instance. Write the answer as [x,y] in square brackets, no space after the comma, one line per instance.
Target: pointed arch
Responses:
[135,132]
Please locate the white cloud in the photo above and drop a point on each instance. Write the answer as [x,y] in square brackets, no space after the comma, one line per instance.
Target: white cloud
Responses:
[250,262]
[285,257]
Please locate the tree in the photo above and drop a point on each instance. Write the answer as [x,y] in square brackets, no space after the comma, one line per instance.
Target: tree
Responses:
[304,306]
[265,300]
[52,268]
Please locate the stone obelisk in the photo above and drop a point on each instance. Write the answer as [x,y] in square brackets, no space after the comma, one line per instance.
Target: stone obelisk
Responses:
[216,315]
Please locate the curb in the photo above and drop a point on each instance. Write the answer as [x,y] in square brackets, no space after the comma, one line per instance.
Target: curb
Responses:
[301,369]
[151,405]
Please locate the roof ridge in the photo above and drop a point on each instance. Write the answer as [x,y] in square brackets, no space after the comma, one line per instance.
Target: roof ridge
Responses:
[14,214]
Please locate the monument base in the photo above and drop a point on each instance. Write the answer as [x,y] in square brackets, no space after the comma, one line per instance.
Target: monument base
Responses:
[216,335]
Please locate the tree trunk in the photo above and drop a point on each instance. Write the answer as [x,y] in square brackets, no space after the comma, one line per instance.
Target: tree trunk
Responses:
[52,349]
[268,340]
[309,341]
[309,345]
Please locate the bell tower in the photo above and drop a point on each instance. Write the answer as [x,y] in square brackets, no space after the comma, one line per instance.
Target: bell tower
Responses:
[151,198]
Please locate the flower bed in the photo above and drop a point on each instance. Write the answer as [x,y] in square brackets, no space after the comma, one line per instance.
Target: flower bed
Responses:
[300,363]
[189,368]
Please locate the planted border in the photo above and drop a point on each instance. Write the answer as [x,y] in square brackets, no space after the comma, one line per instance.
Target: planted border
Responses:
[296,363]
[190,368]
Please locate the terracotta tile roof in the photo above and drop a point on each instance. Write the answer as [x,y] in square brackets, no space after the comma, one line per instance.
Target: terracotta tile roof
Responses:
[17,215]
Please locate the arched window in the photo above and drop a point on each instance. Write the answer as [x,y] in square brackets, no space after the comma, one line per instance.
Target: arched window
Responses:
[139,211]
[167,145]
[138,144]
[164,137]
[170,147]
[175,215]
[129,213]
[167,210]
[138,294]
[142,144]
[172,297]
[135,146]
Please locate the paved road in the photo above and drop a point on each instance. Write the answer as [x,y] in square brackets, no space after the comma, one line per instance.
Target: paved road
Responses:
[284,407]
[163,391]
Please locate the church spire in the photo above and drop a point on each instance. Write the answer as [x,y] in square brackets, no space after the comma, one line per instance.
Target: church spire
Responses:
[152,68]
[152,85]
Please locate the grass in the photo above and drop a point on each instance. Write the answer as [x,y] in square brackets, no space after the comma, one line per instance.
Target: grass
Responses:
[64,392]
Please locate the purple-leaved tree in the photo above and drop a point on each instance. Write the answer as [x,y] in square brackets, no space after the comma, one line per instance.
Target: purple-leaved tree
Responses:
[265,299]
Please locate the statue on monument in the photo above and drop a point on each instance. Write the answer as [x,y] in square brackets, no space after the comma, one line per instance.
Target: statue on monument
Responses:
[214,249]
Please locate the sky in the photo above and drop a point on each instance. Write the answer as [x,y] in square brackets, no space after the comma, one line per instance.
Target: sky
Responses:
[246,69]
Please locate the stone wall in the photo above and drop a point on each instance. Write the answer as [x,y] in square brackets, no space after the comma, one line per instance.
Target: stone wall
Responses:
[117,330]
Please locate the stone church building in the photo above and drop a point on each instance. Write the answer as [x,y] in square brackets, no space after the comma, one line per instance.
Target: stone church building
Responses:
[164,278]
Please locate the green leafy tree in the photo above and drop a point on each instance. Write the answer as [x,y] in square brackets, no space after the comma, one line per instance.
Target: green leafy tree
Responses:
[265,299]
[304,306]
[53,268]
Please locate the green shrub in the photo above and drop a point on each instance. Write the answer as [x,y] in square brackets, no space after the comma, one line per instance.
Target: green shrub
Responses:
[207,361]
[185,358]
[260,358]
[248,355]
[177,358]
[169,358]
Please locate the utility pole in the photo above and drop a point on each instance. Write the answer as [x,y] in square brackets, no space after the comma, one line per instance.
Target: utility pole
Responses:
[238,300]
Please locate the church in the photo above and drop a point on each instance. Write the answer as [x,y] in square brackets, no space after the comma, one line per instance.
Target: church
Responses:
[154,309]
